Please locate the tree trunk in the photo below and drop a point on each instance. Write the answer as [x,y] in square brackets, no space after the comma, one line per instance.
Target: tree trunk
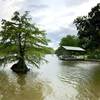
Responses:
[20,67]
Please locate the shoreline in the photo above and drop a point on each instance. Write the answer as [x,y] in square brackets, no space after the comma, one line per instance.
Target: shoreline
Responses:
[94,60]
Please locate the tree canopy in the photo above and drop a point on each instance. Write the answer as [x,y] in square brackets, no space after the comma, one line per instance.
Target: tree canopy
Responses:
[20,39]
[69,40]
[89,29]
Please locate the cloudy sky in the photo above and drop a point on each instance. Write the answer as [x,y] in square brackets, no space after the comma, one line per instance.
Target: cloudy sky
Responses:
[54,16]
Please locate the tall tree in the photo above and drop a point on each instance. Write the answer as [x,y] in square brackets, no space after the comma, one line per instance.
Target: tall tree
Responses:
[22,41]
[89,29]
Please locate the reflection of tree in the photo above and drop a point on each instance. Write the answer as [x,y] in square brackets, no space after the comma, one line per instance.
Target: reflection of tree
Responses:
[31,91]
[95,84]
[22,88]
[85,81]
[21,80]
[89,87]
[69,63]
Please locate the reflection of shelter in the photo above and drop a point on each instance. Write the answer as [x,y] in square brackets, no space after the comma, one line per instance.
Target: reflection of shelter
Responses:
[72,53]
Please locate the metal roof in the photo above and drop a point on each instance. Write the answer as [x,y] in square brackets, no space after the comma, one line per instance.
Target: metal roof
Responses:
[73,48]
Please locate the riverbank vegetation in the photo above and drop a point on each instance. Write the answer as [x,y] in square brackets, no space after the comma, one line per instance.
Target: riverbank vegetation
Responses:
[88,36]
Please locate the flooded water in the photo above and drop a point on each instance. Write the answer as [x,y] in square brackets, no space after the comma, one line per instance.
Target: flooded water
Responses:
[55,80]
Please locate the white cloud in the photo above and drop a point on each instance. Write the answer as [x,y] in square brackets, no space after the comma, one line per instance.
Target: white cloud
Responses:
[55,16]
[7,7]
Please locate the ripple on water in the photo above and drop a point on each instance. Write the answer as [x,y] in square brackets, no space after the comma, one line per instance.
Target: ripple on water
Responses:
[54,81]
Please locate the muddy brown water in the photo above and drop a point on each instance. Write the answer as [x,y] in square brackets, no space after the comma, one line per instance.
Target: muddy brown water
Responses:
[55,80]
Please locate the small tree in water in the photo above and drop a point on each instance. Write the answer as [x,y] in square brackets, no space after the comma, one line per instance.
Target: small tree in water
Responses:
[21,41]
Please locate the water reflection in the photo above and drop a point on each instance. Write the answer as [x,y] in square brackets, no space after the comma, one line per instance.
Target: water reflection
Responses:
[21,80]
[55,80]
[23,87]
[84,78]
[6,88]
[68,63]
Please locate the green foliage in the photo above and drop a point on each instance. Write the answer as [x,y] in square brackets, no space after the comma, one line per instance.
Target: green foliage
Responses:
[89,29]
[69,40]
[21,39]
[93,54]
